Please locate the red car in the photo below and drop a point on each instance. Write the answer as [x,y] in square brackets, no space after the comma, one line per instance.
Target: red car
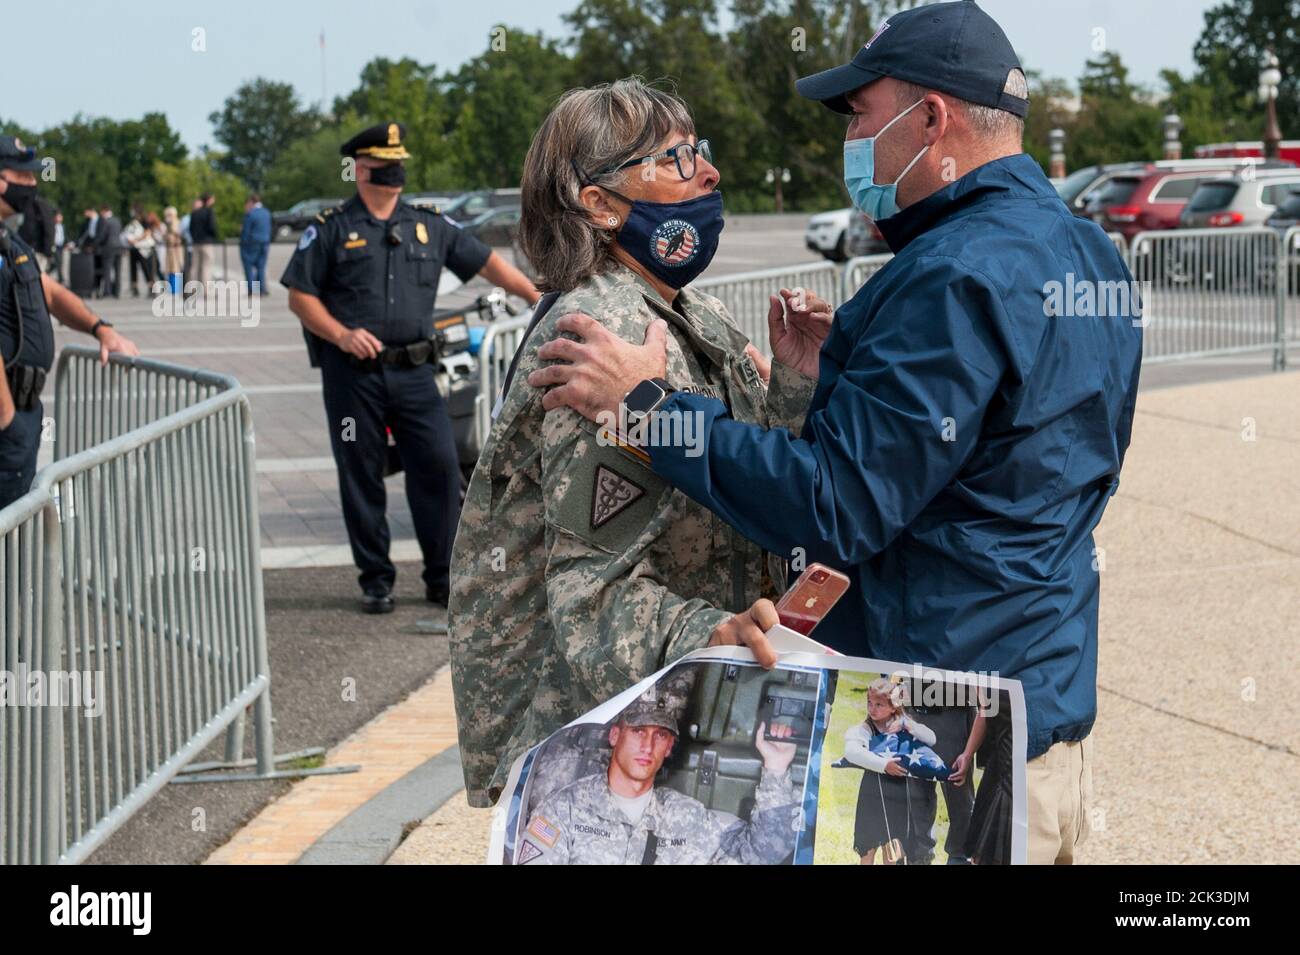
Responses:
[1151,198]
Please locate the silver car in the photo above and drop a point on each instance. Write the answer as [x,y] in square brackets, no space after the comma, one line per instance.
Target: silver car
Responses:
[1245,198]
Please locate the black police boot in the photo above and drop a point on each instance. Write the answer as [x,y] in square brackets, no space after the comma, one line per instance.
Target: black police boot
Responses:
[437,595]
[379,601]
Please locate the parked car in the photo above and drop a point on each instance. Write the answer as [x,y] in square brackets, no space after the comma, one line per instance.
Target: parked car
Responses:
[431,200]
[1238,199]
[1147,200]
[471,205]
[827,233]
[1285,218]
[1082,186]
[284,225]
[864,237]
[496,227]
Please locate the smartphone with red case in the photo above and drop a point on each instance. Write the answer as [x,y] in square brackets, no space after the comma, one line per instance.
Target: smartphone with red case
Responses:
[804,605]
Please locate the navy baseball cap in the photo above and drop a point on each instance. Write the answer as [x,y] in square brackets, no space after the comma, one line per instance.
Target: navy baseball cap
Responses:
[14,155]
[955,48]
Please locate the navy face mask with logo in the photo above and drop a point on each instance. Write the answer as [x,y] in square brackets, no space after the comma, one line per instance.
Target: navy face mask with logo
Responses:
[675,241]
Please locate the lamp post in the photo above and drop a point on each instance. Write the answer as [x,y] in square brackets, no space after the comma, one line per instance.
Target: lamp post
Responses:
[1270,77]
[778,175]
[1056,162]
[1173,145]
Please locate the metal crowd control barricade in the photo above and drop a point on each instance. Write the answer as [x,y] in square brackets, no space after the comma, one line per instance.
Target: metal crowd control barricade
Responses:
[31,769]
[501,340]
[1209,292]
[1121,244]
[131,573]
[858,270]
[1289,291]
[746,294]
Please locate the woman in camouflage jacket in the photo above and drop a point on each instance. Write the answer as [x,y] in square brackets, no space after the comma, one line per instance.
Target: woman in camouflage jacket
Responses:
[577,571]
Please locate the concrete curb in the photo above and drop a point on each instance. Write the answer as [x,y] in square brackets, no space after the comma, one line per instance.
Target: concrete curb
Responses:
[369,834]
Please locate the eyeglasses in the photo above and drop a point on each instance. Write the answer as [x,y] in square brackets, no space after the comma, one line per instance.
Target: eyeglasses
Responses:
[683,154]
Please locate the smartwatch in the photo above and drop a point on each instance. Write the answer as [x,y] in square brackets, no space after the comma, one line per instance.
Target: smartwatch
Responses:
[100,324]
[645,399]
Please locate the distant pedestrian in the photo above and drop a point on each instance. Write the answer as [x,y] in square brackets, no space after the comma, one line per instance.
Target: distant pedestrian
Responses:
[203,233]
[139,241]
[60,241]
[254,242]
[86,244]
[173,244]
[108,253]
[37,230]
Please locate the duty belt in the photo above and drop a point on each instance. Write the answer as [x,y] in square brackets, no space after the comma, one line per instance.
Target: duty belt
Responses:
[403,356]
[25,385]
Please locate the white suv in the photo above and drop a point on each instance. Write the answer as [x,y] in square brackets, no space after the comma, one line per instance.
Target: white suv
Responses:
[826,233]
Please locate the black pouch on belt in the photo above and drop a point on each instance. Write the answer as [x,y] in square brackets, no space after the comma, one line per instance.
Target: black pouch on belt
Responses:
[25,385]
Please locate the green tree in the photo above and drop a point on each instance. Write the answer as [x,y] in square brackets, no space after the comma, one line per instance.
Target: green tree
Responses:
[136,145]
[311,167]
[406,92]
[501,98]
[1194,103]
[1230,52]
[1118,120]
[179,184]
[258,122]
[770,46]
[1051,101]
[84,171]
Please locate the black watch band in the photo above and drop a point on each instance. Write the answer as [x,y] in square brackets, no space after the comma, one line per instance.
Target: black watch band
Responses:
[102,323]
[645,399]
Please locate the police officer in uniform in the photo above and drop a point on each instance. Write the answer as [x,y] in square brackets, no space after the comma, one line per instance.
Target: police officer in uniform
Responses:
[27,300]
[363,282]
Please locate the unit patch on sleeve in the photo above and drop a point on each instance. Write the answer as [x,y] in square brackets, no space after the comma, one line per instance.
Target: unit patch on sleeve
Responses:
[611,494]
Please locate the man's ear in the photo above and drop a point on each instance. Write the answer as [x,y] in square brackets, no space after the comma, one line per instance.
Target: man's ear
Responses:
[937,118]
[614,733]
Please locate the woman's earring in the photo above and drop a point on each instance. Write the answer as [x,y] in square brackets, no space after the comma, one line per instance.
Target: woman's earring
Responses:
[613,220]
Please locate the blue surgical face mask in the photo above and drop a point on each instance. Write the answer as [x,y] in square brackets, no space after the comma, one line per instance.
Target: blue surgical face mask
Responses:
[869,197]
[675,241]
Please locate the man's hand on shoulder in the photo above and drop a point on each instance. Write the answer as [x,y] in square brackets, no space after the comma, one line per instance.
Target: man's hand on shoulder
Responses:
[601,367]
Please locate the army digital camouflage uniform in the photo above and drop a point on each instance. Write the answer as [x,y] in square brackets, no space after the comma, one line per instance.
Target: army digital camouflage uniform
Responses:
[576,570]
[581,825]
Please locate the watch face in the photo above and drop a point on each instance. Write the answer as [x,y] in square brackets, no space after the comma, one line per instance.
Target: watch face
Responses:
[643,397]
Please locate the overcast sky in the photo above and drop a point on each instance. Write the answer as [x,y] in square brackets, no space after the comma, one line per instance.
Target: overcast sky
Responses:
[123,58]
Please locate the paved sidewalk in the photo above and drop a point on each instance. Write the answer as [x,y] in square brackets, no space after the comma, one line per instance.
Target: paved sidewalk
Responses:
[388,747]
[1198,732]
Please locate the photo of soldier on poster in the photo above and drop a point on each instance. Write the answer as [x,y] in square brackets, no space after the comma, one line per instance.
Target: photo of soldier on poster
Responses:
[708,765]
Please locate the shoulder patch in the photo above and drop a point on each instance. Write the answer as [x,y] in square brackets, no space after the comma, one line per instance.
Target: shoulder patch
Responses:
[544,830]
[308,237]
[611,494]
[527,853]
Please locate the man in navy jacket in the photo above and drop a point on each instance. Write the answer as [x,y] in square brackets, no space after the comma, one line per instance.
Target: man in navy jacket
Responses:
[972,406]
[254,242]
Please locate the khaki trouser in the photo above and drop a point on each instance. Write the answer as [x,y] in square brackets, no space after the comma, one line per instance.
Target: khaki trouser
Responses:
[1060,799]
[201,264]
